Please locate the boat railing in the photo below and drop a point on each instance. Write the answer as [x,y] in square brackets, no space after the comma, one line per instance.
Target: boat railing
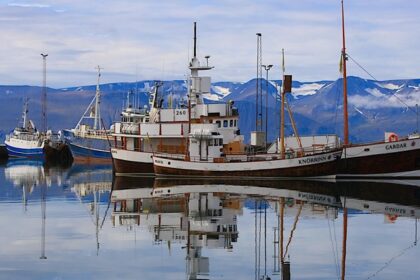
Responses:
[93,133]
[289,154]
[26,137]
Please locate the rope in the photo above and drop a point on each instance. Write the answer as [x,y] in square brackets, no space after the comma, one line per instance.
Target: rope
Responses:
[293,229]
[259,240]
[388,263]
[337,92]
[255,241]
[393,94]
[333,246]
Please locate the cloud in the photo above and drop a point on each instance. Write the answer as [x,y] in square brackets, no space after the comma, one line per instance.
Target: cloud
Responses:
[384,101]
[155,37]
[27,5]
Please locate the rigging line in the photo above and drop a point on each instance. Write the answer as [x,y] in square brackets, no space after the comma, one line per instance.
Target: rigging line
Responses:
[393,94]
[336,246]
[293,229]
[259,239]
[388,263]
[255,241]
[107,208]
[337,92]
[265,239]
[337,270]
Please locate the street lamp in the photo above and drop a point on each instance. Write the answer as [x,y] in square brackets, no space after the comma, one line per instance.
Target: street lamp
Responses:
[266,68]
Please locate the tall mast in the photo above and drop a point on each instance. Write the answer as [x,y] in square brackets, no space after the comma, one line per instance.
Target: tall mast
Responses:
[44,93]
[97,122]
[344,252]
[282,148]
[346,140]
[344,59]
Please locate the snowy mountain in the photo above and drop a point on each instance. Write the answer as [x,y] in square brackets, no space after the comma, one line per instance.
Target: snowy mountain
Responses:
[374,106]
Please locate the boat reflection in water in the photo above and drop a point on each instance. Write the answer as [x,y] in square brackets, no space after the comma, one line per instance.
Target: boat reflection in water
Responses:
[92,186]
[204,214]
[28,174]
[31,174]
[225,229]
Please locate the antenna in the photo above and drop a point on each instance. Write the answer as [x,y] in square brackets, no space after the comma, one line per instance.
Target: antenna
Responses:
[44,93]
[97,119]
[257,90]
[195,39]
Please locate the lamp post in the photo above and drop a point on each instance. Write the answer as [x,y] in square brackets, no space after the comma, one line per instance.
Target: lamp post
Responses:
[266,68]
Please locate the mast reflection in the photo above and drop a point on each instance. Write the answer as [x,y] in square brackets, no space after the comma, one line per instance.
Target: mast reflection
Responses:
[202,214]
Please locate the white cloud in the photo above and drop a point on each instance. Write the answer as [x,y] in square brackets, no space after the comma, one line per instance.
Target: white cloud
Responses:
[28,5]
[156,38]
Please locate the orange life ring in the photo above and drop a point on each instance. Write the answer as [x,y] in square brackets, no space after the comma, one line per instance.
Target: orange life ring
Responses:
[393,137]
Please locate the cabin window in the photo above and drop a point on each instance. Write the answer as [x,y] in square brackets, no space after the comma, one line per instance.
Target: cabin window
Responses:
[220,142]
[225,123]
[235,123]
[211,143]
[218,123]
[231,123]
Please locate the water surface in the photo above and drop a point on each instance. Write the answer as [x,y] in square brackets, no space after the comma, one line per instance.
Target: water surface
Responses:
[79,223]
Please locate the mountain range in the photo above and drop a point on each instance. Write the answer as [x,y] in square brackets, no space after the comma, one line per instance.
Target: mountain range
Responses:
[374,106]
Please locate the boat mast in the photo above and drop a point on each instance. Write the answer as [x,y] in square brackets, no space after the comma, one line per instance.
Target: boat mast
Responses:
[346,140]
[282,148]
[25,114]
[343,61]
[344,252]
[97,120]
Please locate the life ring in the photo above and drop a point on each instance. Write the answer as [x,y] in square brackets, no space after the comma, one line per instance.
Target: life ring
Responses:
[393,137]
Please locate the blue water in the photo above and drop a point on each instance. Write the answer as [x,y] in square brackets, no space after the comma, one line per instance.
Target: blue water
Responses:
[140,229]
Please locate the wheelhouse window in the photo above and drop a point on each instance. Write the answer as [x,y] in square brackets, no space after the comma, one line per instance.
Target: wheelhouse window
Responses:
[225,123]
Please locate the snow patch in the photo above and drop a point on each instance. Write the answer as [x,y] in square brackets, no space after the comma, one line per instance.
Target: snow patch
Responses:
[210,96]
[307,89]
[375,92]
[221,90]
[414,87]
[388,86]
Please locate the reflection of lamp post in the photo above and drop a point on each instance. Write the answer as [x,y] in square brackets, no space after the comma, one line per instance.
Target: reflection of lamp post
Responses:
[44,93]
[266,68]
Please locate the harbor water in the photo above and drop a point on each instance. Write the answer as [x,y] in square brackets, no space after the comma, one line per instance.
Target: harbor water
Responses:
[82,223]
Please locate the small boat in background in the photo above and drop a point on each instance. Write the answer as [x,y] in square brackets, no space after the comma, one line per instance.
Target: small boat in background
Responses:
[89,141]
[27,142]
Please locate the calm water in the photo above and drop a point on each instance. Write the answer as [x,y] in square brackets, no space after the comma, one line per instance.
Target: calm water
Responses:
[68,224]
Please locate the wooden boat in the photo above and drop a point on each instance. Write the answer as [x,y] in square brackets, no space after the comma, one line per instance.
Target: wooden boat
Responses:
[392,158]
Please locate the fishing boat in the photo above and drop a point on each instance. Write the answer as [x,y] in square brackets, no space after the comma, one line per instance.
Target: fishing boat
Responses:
[89,141]
[205,156]
[392,157]
[166,130]
[26,141]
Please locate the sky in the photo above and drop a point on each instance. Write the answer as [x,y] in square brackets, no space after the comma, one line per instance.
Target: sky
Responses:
[139,40]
